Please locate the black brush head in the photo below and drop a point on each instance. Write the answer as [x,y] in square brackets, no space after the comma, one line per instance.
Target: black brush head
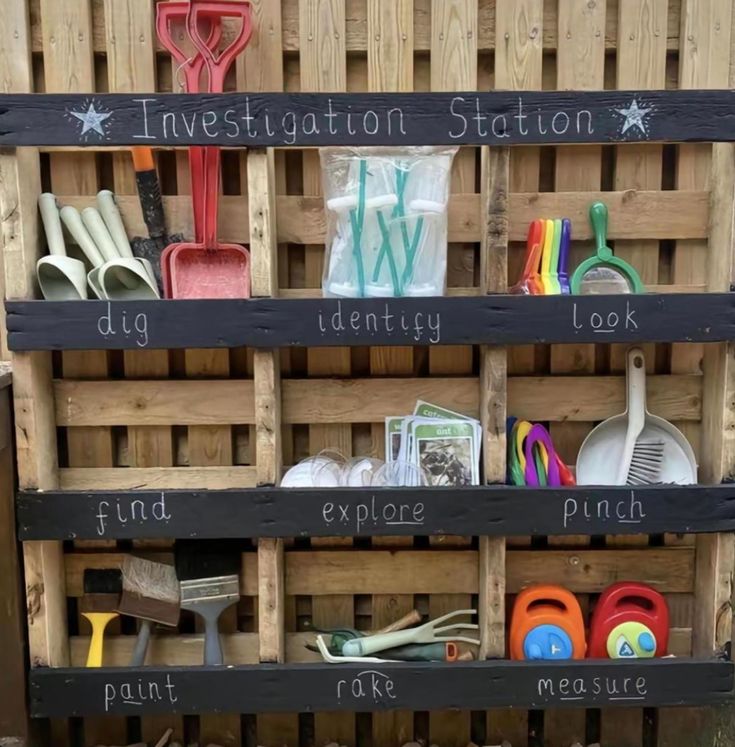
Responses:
[102,581]
[207,558]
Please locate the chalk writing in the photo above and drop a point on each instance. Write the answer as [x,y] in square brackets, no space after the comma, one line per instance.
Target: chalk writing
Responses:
[369,685]
[374,513]
[627,510]
[139,510]
[135,327]
[467,114]
[466,117]
[421,327]
[606,322]
[607,688]
[139,691]
[248,122]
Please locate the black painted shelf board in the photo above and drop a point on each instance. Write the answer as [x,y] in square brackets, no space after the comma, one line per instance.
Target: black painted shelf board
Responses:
[493,510]
[268,323]
[292,688]
[310,119]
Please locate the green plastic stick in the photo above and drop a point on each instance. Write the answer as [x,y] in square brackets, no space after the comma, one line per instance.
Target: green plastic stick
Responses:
[357,220]
[389,253]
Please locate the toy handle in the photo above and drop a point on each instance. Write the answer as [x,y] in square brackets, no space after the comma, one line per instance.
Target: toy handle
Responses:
[547,593]
[141,644]
[73,221]
[599,221]
[212,643]
[52,224]
[617,594]
[110,213]
[218,66]
[636,409]
[98,231]
[191,66]
[566,241]
[99,622]
[533,246]
[380,642]
[546,255]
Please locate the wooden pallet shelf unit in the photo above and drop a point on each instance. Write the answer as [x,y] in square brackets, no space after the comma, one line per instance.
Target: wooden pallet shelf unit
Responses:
[186,413]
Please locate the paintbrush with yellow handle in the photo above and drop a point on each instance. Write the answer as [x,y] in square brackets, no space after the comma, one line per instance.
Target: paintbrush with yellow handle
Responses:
[102,589]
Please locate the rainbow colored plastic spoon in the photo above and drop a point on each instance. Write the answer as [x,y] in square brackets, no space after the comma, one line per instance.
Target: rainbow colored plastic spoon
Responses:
[566,243]
[546,258]
[555,254]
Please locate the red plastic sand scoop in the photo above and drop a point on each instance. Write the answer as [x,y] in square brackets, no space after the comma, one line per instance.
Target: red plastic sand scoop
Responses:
[205,268]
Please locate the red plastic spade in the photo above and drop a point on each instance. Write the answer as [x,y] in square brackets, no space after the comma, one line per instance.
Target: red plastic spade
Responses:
[205,268]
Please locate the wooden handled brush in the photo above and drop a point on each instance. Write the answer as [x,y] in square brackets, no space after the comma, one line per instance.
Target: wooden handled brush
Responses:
[150,592]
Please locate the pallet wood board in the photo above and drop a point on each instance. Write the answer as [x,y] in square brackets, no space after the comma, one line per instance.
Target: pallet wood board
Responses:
[355,688]
[669,212]
[269,323]
[319,119]
[357,512]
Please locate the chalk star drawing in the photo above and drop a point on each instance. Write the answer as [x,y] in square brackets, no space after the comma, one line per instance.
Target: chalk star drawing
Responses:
[635,116]
[91,119]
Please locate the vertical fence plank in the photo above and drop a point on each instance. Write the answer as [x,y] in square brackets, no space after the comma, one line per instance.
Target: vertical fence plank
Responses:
[454,68]
[33,398]
[580,65]
[322,36]
[390,68]
[518,66]
[69,68]
[131,67]
[453,62]
[641,64]
[704,62]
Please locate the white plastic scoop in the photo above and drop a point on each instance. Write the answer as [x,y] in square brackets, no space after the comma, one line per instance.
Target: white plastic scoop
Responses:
[609,450]
[110,213]
[60,278]
[120,278]
[73,222]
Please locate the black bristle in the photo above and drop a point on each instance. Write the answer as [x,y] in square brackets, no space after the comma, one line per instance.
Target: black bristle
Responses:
[102,581]
[207,558]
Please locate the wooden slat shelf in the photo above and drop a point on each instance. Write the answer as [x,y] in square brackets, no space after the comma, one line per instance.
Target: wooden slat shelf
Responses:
[259,120]
[270,323]
[369,687]
[491,510]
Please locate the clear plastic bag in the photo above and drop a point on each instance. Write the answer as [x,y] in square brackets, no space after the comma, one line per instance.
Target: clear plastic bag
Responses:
[386,221]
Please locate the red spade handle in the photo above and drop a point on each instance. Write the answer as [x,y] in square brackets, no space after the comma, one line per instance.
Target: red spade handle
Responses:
[218,65]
